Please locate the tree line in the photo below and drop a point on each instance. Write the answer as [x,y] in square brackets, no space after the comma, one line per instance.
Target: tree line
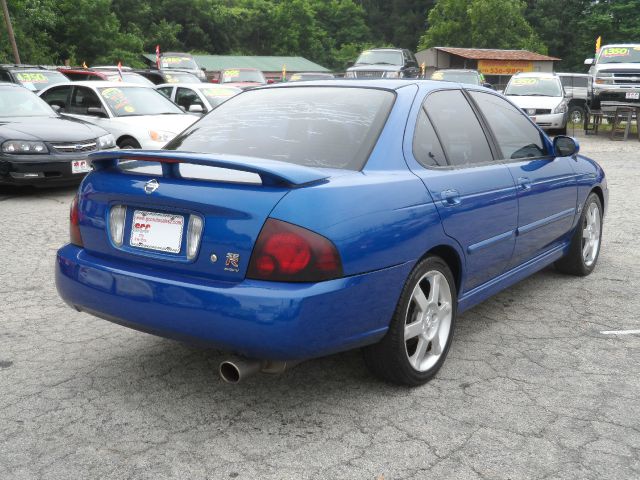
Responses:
[329,32]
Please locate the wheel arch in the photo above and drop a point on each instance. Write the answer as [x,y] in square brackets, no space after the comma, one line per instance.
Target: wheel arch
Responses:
[124,137]
[453,260]
[598,191]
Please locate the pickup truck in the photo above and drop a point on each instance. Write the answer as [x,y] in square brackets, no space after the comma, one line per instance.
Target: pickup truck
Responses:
[615,75]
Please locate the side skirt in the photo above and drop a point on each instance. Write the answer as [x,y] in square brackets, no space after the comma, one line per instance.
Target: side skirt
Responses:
[479,294]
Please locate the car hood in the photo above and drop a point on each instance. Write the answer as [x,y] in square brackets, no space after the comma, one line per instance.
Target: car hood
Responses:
[535,102]
[56,129]
[168,123]
[374,66]
[614,67]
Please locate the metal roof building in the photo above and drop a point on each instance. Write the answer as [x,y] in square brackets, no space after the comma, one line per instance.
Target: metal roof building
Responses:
[496,65]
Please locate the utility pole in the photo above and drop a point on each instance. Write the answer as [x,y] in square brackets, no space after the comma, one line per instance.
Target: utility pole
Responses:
[12,37]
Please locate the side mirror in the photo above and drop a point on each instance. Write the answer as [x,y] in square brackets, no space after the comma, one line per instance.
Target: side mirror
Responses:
[195,108]
[564,146]
[96,112]
[588,61]
[56,108]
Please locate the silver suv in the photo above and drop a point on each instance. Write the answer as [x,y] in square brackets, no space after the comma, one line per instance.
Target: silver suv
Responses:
[576,87]
[615,75]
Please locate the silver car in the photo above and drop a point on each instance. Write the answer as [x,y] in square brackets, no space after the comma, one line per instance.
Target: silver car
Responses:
[615,75]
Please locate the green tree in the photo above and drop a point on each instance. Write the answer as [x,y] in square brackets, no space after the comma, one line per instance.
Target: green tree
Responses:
[480,24]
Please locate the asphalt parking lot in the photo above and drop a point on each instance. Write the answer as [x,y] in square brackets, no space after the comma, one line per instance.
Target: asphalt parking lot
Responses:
[531,388]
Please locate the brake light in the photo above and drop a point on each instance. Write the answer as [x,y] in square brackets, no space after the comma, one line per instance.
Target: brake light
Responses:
[74,223]
[288,253]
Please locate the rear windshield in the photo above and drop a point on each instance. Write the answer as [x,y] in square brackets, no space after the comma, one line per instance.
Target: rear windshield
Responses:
[460,77]
[380,57]
[39,80]
[181,77]
[230,76]
[314,126]
[220,94]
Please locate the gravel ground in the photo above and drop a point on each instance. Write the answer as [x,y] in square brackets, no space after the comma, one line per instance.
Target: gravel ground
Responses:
[531,388]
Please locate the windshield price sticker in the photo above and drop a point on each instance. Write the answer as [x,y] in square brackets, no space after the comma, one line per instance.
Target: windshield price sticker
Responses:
[525,81]
[231,73]
[437,76]
[616,52]
[32,78]
[117,100]
[157,231]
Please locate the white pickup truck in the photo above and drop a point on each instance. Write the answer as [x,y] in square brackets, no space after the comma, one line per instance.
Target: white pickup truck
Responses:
[615,75]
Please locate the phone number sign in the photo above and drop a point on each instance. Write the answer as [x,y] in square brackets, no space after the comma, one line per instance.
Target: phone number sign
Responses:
[504,67]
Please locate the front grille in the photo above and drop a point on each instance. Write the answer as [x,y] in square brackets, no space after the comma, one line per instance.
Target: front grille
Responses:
[75,147]
[369,74]
[626,77]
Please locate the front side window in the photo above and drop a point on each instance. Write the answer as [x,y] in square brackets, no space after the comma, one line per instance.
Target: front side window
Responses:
[166,91]
[185,97]
[574,82]
[513,131]
[132,101]
[458,128]
[57,96]
[83,99]
[330,127]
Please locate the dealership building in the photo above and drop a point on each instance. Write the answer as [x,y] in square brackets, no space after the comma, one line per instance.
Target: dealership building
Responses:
[498,66]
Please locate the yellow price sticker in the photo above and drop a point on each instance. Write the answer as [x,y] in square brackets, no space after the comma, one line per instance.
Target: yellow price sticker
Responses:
[32,78]
[616,52]
[231,73]
[525,81]
[129,109]
[437,76]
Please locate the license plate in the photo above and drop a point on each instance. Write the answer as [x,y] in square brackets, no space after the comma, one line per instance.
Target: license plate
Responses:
[80,166]
[633,95]
[157,231]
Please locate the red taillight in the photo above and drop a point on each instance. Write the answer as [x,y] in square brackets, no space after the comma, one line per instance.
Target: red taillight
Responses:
[288,253]
[74,224]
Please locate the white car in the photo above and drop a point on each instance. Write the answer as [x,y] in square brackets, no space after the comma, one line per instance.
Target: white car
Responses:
[197,97]
[136,115]
[542,97]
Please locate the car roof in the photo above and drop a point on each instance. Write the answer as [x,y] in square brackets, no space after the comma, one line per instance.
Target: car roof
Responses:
[100,83]
[470,70]
[200,85]
[382,84]
[535,74]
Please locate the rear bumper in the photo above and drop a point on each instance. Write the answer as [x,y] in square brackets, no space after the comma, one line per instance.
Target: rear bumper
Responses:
[265,320]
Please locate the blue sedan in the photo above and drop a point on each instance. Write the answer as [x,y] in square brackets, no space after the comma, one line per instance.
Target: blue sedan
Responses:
[301,220]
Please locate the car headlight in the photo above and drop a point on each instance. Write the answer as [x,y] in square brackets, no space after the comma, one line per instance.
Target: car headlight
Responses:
[604,77]
[393,75]
[561,108]
[160,135]
[106,141]
[350,75]
[24,147]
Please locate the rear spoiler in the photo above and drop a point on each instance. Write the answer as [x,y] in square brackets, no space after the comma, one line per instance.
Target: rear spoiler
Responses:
[271,172]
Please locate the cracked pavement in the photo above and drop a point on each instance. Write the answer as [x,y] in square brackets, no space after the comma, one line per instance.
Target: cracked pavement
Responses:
[531,388]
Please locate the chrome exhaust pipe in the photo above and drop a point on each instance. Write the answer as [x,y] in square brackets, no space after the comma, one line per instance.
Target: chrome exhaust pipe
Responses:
[237,370]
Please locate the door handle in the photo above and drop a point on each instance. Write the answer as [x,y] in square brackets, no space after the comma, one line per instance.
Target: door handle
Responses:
[450,197]
[525,183]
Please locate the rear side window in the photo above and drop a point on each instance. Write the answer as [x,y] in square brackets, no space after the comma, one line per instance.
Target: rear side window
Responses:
[333,127]
[515,134]
[426,146]
[458,128]
[574,82]
[57,96]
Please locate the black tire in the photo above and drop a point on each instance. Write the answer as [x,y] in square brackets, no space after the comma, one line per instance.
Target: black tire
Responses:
[128,143]
[574,262]
[389,359]
[576,115]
